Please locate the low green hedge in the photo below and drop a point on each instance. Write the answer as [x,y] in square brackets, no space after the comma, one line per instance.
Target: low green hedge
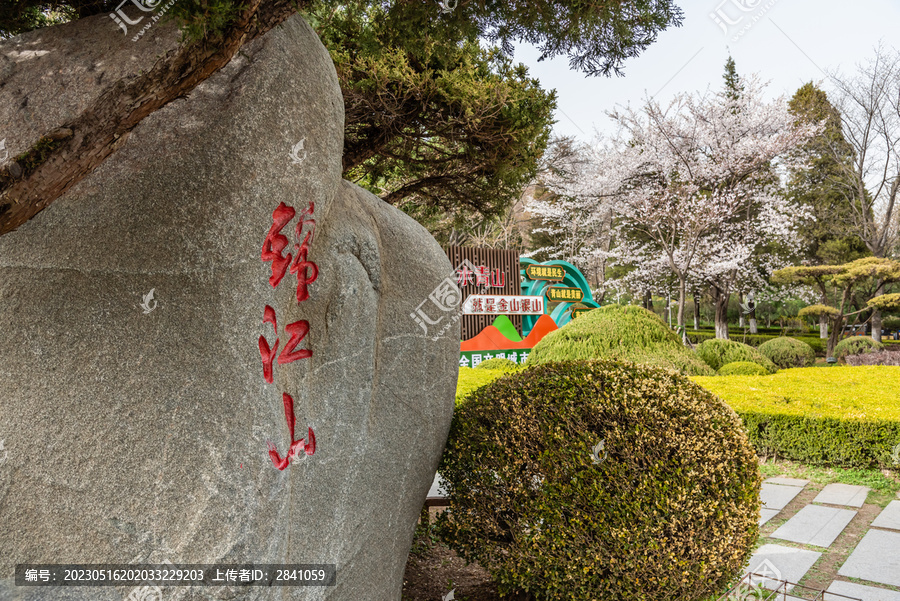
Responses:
[742,368]
[717,352]
[818,344]
[854,345]
[471,380]
[498,363]
[843,415]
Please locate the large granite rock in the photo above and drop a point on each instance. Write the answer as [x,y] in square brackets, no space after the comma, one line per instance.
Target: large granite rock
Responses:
[140,436]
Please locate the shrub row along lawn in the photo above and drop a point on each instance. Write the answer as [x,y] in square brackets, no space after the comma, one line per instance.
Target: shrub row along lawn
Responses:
[846,416]
[818,344]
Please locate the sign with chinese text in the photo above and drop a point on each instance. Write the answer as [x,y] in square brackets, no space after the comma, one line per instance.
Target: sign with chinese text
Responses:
[485,304]
[554,273]
[565,295]
[579,312]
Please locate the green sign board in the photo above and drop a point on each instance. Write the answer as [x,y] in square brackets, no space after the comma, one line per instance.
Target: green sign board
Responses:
[473,358]
[554,273]
[559,294]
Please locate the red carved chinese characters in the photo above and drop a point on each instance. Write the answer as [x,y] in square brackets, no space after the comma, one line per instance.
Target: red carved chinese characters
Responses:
[307,272]
[276,242]
[304,445]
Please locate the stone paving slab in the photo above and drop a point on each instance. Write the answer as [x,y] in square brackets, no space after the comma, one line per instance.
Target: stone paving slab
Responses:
[843,494]
[781,563]
[777,496]
[815,525]
[889,518]
[858,591]
[787,481]
[437,487]
[876,558]
[767,514]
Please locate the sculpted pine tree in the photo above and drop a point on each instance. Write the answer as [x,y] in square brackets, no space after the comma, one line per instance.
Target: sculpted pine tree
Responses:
[597,39]
[845,280]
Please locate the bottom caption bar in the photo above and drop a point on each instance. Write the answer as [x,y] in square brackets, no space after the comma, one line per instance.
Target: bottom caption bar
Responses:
[314,574]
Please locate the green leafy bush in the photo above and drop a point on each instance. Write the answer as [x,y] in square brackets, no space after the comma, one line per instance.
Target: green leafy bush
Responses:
[891,324]
[718,352]
[788,352]
[742,368]
[618,332]
[842,415]
[498,363]
[818,344]
[855,345]
[667,509]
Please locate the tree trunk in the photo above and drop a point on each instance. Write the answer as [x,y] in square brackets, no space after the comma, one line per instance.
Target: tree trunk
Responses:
[648,300]
[682,299]
[740,300]
[823,326]
[753,328]
[835,335]
[696,312]
[61,158]
[720,299]
[876,316]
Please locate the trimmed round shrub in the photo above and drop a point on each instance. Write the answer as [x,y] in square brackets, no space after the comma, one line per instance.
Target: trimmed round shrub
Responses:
[717,352]
[498,363]
[742,368]
[788,352]
[619,332]
[590,480]
[854,345]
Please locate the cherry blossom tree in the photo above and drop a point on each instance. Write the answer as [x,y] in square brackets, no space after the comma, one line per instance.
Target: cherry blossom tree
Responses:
[700,187]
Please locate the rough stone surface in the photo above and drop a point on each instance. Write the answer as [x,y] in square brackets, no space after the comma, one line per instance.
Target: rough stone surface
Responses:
[777,496]
[875,558]
[843,494]
[778,563]
[814,525]
[135,437]
[859,591]
[889,517]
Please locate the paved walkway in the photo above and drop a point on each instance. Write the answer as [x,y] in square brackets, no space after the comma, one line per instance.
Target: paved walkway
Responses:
[871,571]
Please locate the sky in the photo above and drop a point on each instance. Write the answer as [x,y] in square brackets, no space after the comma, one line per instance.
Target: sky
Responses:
[786,42]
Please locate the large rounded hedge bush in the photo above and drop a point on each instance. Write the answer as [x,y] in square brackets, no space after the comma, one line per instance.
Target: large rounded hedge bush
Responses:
[717,352]
[788,352]
[619,332]
[742,368]
[854,345]
[597,480]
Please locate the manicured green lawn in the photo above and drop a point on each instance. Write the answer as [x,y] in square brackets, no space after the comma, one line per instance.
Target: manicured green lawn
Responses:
[869,393]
